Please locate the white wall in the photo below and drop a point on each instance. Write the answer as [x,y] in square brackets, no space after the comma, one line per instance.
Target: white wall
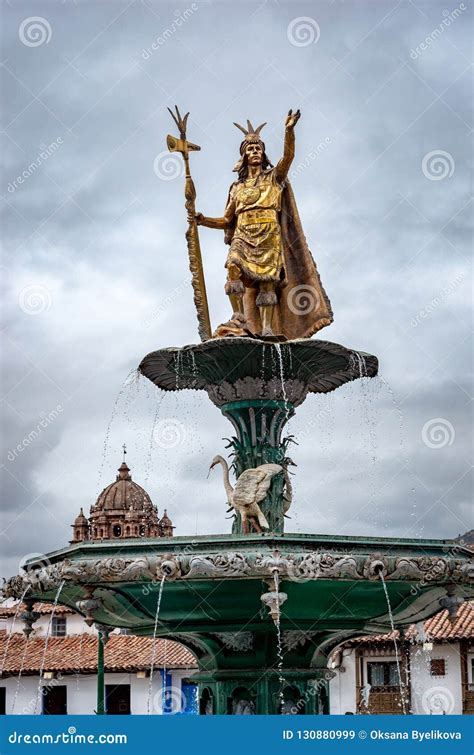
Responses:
[436,694]
[82,692]
[342,689]
[75,624]
[430,695]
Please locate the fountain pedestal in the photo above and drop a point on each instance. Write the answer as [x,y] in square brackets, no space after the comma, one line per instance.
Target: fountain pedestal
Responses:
[258,385]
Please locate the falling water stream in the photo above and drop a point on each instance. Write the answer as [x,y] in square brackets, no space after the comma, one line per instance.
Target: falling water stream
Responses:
[281,678]
[7,644]
[164,703]
[153,652]
[129,381]
[395,644]
[282,377]
[46,640]
[18,681]
[399,413]
[152,437]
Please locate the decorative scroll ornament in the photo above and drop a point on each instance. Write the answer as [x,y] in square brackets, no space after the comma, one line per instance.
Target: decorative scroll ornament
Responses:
[251,388]
[238,641]
[293,638]
[221,565]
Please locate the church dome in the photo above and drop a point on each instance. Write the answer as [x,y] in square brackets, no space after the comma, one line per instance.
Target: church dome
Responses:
[122,510]
[124,493]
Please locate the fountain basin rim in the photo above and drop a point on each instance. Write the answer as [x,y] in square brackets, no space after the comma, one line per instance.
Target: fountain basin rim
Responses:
[233,368]
[277,540]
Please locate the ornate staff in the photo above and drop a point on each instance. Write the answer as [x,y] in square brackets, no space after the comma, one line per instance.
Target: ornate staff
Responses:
[192,235]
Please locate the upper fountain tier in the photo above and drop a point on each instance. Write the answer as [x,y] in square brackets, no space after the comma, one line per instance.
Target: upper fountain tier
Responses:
[235,369]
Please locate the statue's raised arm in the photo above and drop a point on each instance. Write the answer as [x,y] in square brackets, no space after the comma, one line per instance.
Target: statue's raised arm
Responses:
[283,165]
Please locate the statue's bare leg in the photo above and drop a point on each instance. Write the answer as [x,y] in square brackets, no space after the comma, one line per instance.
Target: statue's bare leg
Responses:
[266,302]
[235,290]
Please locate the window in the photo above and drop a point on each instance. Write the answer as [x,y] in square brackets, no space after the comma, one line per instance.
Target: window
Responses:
[438,667]
[383,674]
[117,530]
[58,626]
[55,701]
[3,701]
[142,530]
[117,699]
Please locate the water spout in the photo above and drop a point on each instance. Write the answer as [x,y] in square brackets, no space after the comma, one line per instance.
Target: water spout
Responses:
[281,679]
[395,643]
[282,378]
[153,652]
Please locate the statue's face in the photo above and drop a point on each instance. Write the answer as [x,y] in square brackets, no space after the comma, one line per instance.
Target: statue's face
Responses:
[254,153]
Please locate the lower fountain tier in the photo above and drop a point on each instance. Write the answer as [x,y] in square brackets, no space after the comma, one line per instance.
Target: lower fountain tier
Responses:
[243,369]
[213,588]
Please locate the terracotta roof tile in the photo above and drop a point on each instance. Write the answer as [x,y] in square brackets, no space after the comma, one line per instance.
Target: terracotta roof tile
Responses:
[78,653]
[43,608]
[438,628]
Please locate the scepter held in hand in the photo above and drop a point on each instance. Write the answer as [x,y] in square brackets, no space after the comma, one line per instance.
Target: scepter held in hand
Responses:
[192,235]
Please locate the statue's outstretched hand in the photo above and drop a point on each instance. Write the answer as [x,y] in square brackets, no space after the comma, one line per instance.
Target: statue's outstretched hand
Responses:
[292,119]
[195,217]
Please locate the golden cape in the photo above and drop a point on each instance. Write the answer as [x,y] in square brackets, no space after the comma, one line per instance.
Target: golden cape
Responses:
[303,306]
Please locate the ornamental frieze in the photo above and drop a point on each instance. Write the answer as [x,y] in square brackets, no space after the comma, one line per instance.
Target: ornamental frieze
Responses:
[294,567]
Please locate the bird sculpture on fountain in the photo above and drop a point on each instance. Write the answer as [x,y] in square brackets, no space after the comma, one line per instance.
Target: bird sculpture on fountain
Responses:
[250,489]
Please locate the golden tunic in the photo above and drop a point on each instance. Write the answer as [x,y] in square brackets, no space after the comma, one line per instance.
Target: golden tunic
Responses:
[256,247]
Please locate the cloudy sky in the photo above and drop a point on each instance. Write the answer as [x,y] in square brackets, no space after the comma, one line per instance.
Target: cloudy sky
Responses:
[95,263]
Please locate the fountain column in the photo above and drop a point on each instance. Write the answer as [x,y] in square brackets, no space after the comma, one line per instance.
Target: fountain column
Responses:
[258,426]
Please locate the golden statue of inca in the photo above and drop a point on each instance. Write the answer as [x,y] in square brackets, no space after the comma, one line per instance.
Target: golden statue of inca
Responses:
[272,281]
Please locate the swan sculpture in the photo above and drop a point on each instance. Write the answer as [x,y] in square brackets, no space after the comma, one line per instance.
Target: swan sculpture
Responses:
[250,489]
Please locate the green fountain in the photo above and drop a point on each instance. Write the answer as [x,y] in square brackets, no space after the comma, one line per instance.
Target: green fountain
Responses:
[260,609]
